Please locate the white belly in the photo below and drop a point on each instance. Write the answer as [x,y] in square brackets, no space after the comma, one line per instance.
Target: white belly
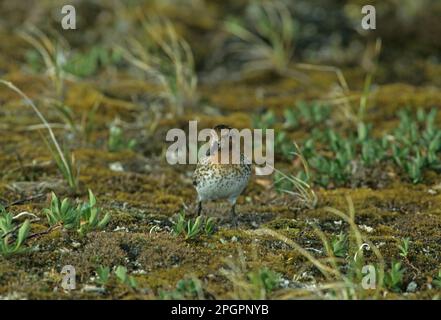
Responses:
[229,187]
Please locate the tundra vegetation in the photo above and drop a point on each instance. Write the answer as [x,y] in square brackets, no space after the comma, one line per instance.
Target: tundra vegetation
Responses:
[84,180]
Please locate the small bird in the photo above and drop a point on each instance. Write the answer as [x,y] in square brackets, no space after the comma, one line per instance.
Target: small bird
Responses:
[215,180]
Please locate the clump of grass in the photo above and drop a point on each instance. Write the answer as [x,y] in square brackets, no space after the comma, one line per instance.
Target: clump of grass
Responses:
[83,218]
[255,284]
[417,143]
[265,121]
[368,81]
[64,163]
[190,288]
[314,112]
[192,228]
[291,117]
[372,151]
[85,64]
[404,247]
[414,146]
[117,141]
[124,278]
[393,278]
[102,275]
[354,112]
[298,186]
[283,146]
[8,247]
[266,40]
[340,245]
[264,279]
[336,168]
[310,113]
[166,58]
[338,284]
[62,213]
[90,216]
[53,54]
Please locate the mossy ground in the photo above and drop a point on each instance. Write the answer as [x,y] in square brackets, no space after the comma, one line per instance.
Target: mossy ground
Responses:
[149,191]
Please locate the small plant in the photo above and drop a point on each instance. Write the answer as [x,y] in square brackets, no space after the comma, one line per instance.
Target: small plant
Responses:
[314,112]
[265,121]
[417,143]
[8,247]
[166,58]
[88,63]
[83,218]
[90,217]
[393,279]
[254,284]
[404,247]
[334,165]
[124,278]
[340,245]
[265,280]
[266,42]
[343,276]
[414,167]
[291,119]
[179,224]
[295,186]
[209,226]
[103,275]
[283,146]
[54,55]
[62,213]
[192,228]
[372,150]
[6,225]
[298,186]
[117,142]
[64,163]
[185,289]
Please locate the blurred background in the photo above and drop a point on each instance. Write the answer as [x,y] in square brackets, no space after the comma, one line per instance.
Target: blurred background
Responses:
[324,32]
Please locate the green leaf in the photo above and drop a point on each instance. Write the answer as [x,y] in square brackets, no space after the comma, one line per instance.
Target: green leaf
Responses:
[22,234]
[92,199]
[55,205]
[121,273]
[65,204]
[104,221]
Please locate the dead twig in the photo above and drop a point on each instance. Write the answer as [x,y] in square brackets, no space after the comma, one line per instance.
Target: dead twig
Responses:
[42,233]
[16,228]
[21,201]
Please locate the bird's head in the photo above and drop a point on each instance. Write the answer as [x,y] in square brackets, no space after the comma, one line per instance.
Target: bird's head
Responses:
[219,138]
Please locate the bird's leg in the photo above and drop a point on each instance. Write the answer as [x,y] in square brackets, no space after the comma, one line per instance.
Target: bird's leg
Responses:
[233,215]
[199,208]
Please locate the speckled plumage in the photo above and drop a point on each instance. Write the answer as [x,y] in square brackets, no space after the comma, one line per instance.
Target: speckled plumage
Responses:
[214,180]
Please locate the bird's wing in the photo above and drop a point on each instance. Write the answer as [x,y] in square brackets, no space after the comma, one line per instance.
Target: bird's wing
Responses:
[202,163]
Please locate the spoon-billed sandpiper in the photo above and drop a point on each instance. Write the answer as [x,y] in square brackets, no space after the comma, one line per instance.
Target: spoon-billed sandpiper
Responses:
[215,180]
